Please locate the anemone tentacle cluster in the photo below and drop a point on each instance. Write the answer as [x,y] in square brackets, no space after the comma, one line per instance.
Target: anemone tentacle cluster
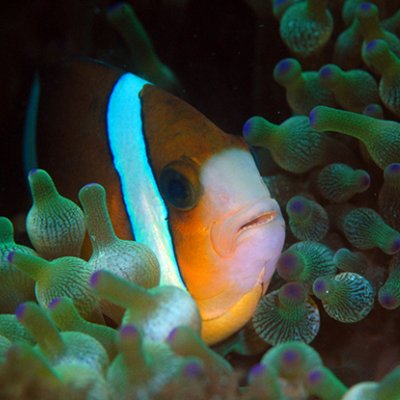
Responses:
[348,207]
[104,328]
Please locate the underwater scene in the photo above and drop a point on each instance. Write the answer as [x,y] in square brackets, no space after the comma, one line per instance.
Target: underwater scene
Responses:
[200,200]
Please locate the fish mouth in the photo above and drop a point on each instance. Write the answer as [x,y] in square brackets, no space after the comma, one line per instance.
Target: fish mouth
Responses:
[232,229]
[264,218]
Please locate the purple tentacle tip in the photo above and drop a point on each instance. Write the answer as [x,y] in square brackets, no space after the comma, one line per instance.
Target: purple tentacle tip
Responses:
[388,301]
[371,45]
[278,3]
[294,291]
[395,247]
[365,181]
[94,279]
[10,257]
[90,188]
[314,376]
[89,185]
[247,128]
[297,206]
[115,6]
[370,109]
[171,336]
[313,116]
[20,311]
[290,357]
[394,168]
[32,172]
[288,261]
[128,331]
[53,303]
[326,71]
[257,370]
[320,285]
[365,6]
[284,66]
[192,369]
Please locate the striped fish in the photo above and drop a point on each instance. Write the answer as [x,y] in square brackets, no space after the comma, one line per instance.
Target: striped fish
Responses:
[174,181]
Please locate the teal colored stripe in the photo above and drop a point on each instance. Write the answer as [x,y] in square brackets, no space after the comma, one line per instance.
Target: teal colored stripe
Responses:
[146,209]
[29,155]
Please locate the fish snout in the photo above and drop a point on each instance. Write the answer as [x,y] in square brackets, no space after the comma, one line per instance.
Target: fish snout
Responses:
[232,230]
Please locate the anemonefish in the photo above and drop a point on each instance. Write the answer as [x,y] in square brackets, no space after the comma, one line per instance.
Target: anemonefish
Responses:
[174,181]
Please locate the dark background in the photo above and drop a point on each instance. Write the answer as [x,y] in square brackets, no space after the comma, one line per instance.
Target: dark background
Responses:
[222,51]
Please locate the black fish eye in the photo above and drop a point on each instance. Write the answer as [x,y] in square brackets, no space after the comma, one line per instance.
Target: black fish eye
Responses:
[178,188]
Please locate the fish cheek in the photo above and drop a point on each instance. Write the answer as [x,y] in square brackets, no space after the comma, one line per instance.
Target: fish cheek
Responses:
[191,238]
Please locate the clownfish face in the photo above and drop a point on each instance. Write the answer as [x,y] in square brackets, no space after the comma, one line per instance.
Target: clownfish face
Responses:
[228,235]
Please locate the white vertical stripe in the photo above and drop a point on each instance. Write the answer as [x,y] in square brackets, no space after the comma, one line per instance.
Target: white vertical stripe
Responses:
[146,208]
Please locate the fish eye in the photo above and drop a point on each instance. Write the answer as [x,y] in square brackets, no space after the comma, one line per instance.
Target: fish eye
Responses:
[179,185]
